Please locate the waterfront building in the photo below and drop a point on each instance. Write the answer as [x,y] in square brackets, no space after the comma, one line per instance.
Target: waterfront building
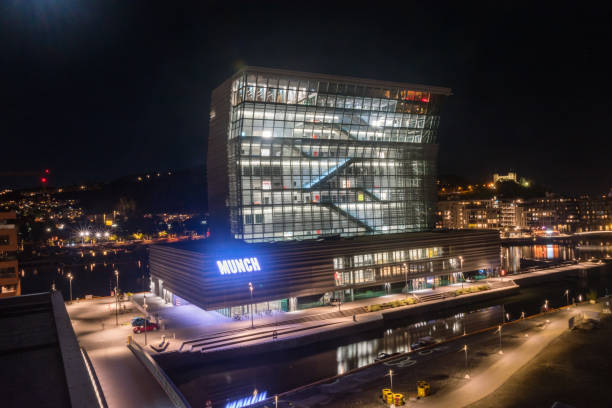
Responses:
[504,215]
[10,284]
[554,213]
[320,187]
[569,214]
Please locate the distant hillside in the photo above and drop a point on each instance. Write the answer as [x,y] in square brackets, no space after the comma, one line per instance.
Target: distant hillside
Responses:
[183,190]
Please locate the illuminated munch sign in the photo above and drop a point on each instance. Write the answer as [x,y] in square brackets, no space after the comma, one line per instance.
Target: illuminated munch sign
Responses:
[240,265]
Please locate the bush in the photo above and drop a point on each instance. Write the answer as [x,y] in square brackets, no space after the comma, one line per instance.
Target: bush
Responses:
[374,308]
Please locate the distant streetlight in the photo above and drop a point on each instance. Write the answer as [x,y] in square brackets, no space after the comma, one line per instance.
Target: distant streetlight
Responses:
[499,329]
[69,276]
[467,374]
[566,297]
[251,290]
[117,298]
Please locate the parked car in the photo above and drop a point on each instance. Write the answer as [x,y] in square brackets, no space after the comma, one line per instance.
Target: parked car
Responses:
[149,327]
[382,356]
[422,342]
[138,321]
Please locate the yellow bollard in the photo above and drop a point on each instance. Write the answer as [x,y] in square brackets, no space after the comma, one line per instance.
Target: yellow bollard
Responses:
[398,399]
[384,393]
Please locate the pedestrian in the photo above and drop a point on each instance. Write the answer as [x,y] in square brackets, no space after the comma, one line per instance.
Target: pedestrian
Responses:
[354,317]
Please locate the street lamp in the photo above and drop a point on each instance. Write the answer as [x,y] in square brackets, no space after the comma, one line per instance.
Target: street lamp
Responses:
[467,374]
[406,278]
[117,298]
[146,325]
[69,276]
[499,329]
[251,290]
[144,305]
[391,380]
[462,277]
[566,297]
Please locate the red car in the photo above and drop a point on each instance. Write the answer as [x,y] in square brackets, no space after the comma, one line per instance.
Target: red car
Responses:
[149,327]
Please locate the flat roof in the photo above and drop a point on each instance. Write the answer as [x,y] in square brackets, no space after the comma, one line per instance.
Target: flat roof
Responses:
[202,246]
[40,362]
[346,79]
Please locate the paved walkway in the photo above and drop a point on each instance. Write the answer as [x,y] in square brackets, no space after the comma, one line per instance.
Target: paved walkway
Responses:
[124,380]
[189,323]
[488,379]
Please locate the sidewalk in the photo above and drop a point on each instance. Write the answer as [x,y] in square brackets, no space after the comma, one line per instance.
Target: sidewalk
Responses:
[188,322]
[124,380]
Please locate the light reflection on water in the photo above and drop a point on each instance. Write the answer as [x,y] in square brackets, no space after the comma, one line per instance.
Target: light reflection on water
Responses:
[398,340]
[534,254]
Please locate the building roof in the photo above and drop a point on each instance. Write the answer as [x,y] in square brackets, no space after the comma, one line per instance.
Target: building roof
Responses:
[41,364]
[347,79]
[206,246]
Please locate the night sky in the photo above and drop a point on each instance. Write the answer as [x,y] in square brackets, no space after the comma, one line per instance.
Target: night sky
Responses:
[99,89]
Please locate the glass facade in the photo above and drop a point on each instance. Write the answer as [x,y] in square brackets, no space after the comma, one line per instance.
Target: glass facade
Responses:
[312,157]
[385,266]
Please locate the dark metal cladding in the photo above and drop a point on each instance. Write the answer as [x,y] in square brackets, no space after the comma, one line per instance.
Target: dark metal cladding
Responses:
[303,268]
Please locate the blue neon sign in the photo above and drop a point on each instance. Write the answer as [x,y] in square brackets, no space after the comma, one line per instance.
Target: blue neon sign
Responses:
[245,402]
[240,265]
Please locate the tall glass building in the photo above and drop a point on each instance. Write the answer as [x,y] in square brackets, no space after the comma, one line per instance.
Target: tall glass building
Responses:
[295,155]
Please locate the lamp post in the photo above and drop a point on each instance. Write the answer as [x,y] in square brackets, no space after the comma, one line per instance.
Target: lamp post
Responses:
[406,278]
[117,298]
[499,329]
[276,401]
[146,326]
[566,297]
[467,374]
[144,305]
[462,277]
[251,290]
[391,380]
[69,276]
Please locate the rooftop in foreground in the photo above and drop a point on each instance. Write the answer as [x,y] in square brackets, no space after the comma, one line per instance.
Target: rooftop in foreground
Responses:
[40,360]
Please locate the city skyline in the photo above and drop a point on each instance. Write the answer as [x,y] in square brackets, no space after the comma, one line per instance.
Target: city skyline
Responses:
[102,92]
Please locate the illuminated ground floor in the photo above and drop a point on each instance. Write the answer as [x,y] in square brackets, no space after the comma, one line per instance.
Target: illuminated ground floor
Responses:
[230,278]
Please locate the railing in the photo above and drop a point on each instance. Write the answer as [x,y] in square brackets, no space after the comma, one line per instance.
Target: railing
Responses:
[173,393]
[94,379]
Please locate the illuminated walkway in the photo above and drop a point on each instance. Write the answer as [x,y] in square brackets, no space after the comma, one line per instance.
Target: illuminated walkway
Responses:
[124,380]
[487,380]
